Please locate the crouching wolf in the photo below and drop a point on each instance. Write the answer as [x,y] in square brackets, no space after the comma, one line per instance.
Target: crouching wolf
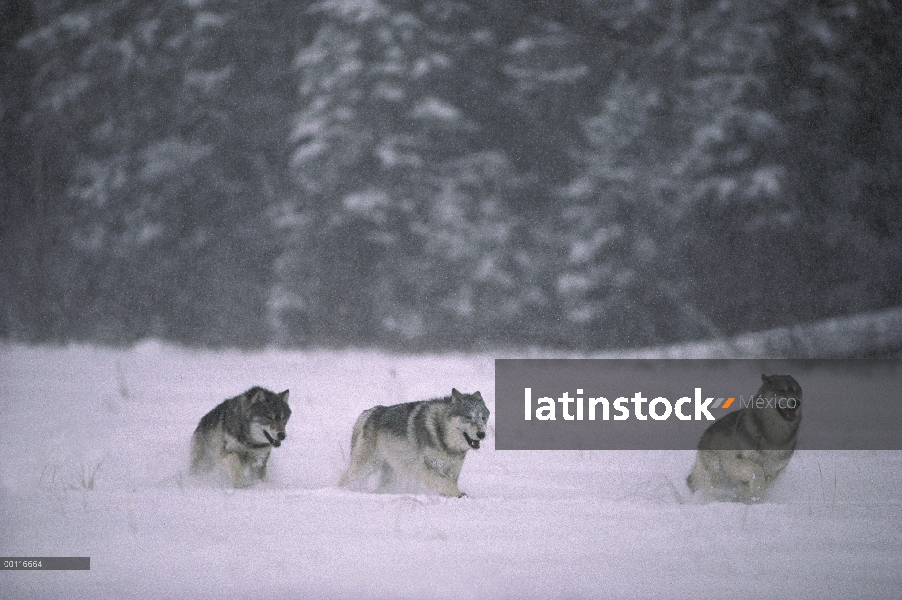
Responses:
[741,455]
[239,435]
[424,440]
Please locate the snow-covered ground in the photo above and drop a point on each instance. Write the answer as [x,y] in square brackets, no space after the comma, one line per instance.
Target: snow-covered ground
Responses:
[94,454]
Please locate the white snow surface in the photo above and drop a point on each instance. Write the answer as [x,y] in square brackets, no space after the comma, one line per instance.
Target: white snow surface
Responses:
[94,446]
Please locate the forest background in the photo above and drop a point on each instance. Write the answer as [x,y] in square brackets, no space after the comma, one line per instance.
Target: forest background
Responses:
[446,174]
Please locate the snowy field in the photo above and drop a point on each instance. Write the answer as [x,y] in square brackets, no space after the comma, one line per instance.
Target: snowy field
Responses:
[94,446]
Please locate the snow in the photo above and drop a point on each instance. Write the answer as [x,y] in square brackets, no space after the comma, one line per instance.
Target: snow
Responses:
[437,109]
[94,444]
[171,155]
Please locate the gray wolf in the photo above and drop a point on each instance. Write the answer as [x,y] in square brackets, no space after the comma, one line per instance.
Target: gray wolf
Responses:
[426,441]
[741,454]
[239,434]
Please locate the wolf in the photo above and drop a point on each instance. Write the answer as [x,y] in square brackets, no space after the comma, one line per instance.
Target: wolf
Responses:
[741,454]
[239,435]
[425,440]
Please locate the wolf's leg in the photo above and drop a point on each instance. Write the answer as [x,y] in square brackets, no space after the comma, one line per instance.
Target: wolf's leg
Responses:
[403,457]
[386,475]
[705,474]
[235,466]
[259,469]
[439,482]
[747,475]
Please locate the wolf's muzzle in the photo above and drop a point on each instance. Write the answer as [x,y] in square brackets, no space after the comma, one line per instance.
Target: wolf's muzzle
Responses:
[790,414]
[474,444]
[274,442]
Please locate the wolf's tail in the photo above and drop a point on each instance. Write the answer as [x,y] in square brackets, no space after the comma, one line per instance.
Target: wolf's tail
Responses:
[198,452]
[359,448]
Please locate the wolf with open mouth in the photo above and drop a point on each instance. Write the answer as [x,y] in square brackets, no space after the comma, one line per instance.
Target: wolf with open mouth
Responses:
[239,434]
[426,441]
[741,454]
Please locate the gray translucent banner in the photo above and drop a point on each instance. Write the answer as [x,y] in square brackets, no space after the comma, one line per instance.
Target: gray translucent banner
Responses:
[550,404]
[45,563]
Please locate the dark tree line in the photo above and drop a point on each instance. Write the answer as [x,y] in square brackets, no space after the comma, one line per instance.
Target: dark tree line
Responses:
[442,174]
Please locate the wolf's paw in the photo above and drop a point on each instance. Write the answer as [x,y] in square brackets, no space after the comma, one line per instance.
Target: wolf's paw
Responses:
[462,495]
[751,494]
[241,483]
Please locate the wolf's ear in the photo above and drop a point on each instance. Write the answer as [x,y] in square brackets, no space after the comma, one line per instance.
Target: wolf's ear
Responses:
[258,397]
[284,396]
[765,378]
[477,395]
[455,395]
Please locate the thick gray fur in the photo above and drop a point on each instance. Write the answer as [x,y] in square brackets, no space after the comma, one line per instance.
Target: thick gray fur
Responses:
[426,441]
[239,434]
[741,454]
